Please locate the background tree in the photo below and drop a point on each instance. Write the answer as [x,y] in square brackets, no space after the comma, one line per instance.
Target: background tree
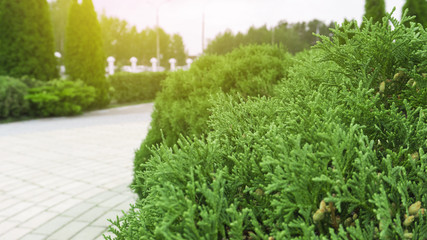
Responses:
[375,9]
[123,41]
[222,43]
[59,14]
[417,8]
[84,53]
[178,50]
[120,40]
[26,40]
[294,37]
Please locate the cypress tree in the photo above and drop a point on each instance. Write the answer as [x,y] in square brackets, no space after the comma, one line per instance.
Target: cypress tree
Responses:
[84,54]
[375,9]
[26,39]
[417,8]
[59,14]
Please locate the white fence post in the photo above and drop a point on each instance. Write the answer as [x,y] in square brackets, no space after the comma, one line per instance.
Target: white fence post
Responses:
[133,61]
[154,64]
[111,67]
[189,62]
[172,62]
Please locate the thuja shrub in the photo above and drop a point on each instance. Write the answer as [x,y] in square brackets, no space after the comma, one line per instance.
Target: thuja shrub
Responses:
[131,87]
[182,107]
[12,97]
[330,155]
[60,98]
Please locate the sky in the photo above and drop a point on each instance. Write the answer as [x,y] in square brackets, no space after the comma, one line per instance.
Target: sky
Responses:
[185,16]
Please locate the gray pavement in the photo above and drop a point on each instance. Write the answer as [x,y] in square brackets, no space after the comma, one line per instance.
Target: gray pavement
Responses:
[62,178]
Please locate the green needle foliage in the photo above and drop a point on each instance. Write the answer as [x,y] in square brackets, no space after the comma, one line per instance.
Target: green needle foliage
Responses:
[375,9]
[417,8]
[12,98]
[26,40]
[338,151]
[183,105]
[84,56]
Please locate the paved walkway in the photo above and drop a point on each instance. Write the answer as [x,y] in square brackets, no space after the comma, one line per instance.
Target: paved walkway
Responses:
[62,178]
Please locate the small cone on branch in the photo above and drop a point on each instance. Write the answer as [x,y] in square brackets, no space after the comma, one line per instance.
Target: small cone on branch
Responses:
[408,221]
[318,215]
[413,209]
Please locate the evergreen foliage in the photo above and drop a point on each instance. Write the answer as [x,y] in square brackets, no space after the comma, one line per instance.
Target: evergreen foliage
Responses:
[28,97]
[12,98]
[417,8]
[26,40]
[339,151]
[182,107]
[59,14]
[177,50]
[132,87]
[294,37]
[60,98]
[375,9]
[84,56]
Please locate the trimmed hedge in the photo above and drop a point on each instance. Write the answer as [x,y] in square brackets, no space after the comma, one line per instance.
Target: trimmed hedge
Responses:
[60,98]
[28,97]
[12,98]
[183,105]
[132,87]
[338,152]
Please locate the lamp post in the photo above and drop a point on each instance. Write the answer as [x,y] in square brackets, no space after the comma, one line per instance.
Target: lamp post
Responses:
[158,5]
[203,26]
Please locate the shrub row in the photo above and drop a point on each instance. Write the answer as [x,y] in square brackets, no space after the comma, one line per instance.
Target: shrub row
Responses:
[132,87]
[338,151]
[29,97]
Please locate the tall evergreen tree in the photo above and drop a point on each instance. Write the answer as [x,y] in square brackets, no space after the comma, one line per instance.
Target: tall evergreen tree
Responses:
[84,54]
[26,39]
[417,8]
[375,9]
[59,14]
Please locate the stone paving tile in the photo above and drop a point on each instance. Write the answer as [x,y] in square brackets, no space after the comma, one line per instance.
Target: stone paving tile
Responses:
[7,226]
[33,236]
[103,220]
[68,231]
[92,214]
[102,197]
[57,198]
[114,201]
[78,209]
[90,232]
[65,205]
[90,193]
[39,220]
[15,209]
[53,225]
[15,233]
[27,214]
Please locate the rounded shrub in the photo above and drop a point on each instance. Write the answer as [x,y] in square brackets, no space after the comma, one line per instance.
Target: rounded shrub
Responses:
[132,87]
[60,98]
[12,97]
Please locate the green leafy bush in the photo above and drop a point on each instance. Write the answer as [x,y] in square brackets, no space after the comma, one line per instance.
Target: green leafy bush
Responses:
[60,98]
[182,107]
[131,87]
[330,155]
[12,97]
